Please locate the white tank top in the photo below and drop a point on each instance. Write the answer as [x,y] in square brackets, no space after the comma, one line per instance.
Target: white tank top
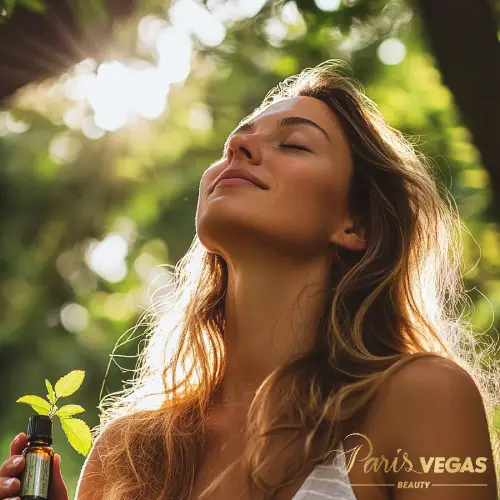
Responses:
[327,482]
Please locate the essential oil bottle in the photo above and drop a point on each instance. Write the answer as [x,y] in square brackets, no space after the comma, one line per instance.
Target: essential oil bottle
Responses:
[39,455]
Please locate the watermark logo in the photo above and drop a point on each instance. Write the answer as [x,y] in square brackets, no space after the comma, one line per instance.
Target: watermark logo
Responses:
[423,465]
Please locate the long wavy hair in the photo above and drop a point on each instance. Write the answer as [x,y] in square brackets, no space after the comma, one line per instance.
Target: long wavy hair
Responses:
[389,305]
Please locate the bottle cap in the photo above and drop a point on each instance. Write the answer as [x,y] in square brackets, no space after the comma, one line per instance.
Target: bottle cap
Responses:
[40,427]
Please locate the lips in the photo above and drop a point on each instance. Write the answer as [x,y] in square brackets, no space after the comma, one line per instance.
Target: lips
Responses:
[238,173]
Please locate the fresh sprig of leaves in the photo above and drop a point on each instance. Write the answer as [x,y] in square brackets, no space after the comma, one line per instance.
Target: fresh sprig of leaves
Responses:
[76,430]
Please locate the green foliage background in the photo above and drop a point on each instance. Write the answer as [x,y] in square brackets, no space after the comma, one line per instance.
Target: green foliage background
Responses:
[142,181]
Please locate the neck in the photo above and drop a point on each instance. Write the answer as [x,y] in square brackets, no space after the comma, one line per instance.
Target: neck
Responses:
[272,314]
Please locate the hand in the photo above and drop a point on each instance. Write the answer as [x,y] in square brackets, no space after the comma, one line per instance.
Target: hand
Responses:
[10,470]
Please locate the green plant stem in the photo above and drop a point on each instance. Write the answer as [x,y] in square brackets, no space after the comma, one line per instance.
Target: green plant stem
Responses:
[53,409]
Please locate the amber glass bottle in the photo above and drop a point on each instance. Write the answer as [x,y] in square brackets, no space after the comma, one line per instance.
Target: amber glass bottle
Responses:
[37,474]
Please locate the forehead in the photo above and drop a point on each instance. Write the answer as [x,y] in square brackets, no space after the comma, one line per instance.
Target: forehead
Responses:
[305,106]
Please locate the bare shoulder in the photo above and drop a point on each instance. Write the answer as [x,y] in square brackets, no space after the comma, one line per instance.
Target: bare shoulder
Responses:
[433,378]
[432,407]
[432,394]
[90,484]
[92,481]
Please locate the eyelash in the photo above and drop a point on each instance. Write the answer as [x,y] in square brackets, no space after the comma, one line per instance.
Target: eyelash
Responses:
[295,146]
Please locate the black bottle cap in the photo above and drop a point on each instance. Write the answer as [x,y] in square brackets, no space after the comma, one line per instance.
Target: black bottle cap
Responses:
[40,427]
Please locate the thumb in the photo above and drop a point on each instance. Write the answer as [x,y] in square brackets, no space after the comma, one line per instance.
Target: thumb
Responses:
[58,489]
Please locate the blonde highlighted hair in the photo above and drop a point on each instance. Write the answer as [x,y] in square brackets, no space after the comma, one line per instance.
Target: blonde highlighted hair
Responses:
[386,306]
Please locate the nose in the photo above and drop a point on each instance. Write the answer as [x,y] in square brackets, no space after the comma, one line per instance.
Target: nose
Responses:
[245,145]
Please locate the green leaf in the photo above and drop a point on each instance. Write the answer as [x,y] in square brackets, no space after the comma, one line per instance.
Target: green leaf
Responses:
[68,410]
[35,5]
[78,434]
[51,396]
[70,383]
[39,404]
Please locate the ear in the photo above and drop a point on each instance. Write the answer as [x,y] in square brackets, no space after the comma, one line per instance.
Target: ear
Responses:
[350,236]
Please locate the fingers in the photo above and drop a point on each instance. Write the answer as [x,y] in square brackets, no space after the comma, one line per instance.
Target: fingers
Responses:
[9,487]
[18,444]
[9,484]
[58,490]
[12,467]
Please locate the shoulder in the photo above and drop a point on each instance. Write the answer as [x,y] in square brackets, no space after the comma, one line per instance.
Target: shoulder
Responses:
[427,393]
[432,378]
[432,407]
[91,482]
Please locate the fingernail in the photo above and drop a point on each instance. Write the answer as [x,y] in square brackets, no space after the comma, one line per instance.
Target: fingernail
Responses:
[16,461]
[9,482]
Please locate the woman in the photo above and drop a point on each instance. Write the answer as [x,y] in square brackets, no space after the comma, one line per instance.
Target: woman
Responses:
[314,314]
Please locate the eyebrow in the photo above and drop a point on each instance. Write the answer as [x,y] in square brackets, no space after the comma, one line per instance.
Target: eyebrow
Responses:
[288,121]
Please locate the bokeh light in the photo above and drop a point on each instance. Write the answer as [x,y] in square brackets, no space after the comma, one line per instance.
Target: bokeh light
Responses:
[107,257]
[391,51]
[74,317]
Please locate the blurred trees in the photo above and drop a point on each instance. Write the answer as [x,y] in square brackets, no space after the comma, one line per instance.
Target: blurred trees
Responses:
[92,203]
[468,57]
[35,46]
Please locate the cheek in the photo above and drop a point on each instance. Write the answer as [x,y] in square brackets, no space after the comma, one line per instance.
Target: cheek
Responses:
[208,177]
[205,185]
[211,173]
[309,193]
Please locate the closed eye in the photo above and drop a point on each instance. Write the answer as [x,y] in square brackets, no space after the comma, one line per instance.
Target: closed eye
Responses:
[295,146]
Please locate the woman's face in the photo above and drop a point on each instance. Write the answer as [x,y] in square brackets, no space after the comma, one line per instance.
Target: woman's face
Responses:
[305,202]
